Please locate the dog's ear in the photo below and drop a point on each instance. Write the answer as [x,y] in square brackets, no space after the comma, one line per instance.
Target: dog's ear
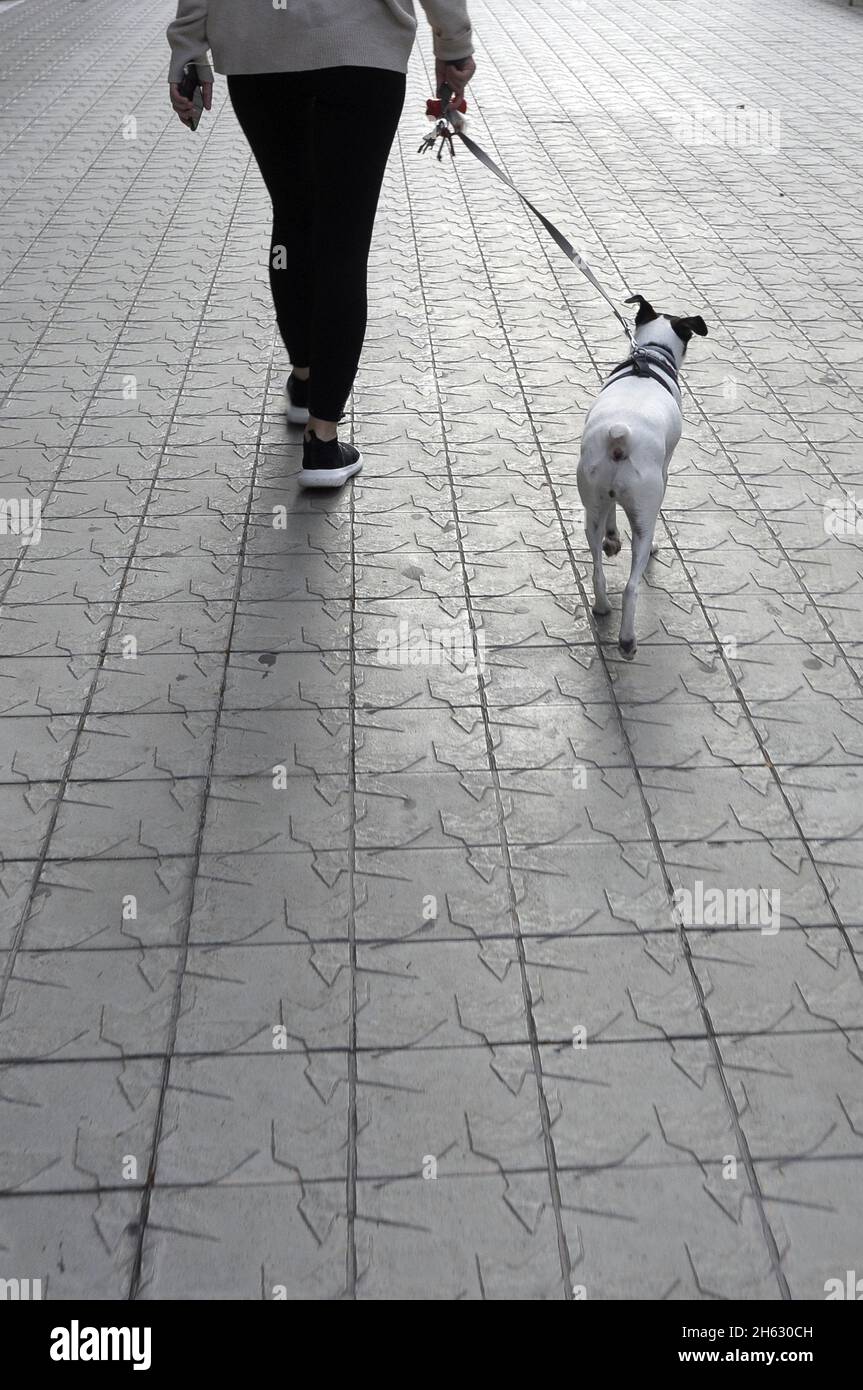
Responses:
[685,327]
[646,311]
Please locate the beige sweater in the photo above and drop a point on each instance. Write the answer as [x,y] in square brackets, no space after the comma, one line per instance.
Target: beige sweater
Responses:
[248,36]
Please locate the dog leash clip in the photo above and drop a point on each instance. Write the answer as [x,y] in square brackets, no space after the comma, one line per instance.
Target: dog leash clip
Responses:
[448,118]
[440,133]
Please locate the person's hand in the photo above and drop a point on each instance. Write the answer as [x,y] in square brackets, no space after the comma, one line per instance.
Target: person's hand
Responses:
[456,78]
[184,107]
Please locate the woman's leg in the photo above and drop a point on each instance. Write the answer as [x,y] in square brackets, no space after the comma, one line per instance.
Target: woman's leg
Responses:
[356,112]
[275,113]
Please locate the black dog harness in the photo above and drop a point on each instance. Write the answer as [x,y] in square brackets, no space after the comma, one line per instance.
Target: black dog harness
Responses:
[654,360]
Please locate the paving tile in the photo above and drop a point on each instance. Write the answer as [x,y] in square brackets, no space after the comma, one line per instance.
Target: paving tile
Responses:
[302,741]
[814,979]
[280,1118]
[443,894]
[734,804]
[96,1132]
[239,998]
[83,1004]
[478,1116]
[453,1239]
[813,1204]
[804,731]
[840,862]
[109,903]
[132,746]
[677,1234]
[26,813]
[798,1095]
[153,683]
[307,813]
[623,1104]
[271,1242]
[36,748]
[307,900]
[80,1244]
[801,888]
[562,890]
[414,995]
[112,820]
[828,799]
[610,986]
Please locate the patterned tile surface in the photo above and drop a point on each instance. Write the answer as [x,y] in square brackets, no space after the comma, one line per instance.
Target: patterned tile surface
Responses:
[368,927]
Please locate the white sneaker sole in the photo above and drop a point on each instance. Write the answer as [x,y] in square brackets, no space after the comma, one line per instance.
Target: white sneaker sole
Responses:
[329,477]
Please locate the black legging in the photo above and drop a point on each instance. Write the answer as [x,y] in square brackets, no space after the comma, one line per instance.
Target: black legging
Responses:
[321,140]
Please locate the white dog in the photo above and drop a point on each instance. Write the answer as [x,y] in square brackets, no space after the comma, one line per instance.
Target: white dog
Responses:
[630,433]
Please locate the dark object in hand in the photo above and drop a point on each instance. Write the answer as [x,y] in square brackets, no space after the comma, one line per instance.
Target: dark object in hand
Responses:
[190,88]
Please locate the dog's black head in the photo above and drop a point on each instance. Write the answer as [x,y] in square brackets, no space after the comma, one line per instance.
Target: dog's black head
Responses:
[684,327]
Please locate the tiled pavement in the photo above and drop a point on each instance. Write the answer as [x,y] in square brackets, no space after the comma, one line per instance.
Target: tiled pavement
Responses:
[242,1020]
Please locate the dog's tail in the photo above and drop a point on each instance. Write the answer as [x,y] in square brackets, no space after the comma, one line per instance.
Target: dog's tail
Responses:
[619,440]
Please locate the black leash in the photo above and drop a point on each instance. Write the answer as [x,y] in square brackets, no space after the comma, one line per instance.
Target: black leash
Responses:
[443,133]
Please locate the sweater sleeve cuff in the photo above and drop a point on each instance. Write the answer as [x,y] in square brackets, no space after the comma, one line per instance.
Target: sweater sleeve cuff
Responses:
[458,45]
[178,63]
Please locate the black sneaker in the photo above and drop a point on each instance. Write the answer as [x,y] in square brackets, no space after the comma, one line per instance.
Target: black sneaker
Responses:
[328,462]
[297,401]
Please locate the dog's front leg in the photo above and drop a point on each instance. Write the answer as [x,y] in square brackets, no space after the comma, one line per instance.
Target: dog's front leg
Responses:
[594,528]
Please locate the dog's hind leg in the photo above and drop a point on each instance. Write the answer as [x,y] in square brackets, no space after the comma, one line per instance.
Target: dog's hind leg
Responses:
[594,529]
[611,542]
[643,525]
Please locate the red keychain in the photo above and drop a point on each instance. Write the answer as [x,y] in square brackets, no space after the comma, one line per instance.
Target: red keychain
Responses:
[448,116]
[434,108]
